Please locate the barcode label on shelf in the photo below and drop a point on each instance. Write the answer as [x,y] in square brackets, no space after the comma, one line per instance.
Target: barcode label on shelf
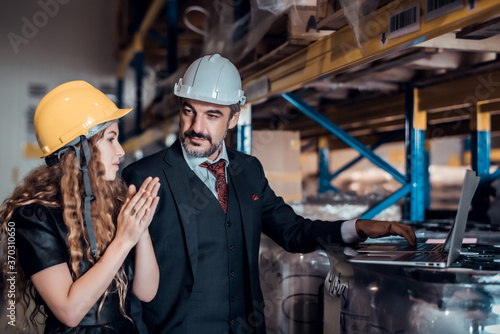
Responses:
[404,22]
[437,8]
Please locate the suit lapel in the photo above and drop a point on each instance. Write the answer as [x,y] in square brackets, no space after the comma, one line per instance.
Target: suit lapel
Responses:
[177,177]
[241,191]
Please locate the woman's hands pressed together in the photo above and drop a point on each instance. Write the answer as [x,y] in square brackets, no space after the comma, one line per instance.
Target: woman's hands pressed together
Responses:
[71,300]
[137,211]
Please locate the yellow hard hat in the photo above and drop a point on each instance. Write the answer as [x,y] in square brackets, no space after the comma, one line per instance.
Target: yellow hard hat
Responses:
[69,111]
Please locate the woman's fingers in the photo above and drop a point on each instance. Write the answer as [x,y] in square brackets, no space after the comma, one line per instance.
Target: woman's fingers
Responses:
[147,187]
[131,190]
[143,198]
[138,209]
[139,197]
[151,210]
[148,209]
[136,202]
[141,211]
[149,195]
[156,188]
[151,185]
[125,205]
[147,215]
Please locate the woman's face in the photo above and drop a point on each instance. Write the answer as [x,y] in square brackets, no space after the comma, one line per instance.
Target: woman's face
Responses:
[111,151]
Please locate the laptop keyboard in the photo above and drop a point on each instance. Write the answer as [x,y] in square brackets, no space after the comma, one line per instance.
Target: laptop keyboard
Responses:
[423,257]
[421,247]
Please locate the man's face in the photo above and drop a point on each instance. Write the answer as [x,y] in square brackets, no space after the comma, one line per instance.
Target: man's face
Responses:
[203,127]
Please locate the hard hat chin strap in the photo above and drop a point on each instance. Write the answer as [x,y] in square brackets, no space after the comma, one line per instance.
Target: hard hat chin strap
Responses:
[89,196]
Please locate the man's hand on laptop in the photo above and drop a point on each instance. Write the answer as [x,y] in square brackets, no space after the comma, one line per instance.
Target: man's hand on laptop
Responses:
[377,229]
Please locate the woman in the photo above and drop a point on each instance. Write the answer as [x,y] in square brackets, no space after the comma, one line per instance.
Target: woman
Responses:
[69,229]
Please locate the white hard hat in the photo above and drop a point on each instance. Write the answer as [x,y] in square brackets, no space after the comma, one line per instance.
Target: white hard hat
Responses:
[212,79]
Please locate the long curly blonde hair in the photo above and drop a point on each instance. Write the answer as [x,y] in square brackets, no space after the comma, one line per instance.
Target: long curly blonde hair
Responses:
[61,186]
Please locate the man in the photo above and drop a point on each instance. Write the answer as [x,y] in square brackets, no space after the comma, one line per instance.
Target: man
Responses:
[207,227]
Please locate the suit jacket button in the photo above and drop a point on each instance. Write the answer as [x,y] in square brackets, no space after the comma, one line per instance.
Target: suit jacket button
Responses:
[228,224]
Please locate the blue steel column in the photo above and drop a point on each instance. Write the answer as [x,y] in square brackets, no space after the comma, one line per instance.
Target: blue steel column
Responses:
[417,178]
[417,155]
[172,29]
[480,143]
[139,75]
[427,180]
[324,176]
[119,92]
[480,151]
[408,127]
[244,130]
[480,162]
[244,138]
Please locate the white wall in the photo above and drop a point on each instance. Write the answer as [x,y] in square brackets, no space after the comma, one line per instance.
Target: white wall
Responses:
[47,42]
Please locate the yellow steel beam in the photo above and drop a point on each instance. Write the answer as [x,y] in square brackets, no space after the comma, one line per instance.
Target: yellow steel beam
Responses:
[419,116]
[323,142]
[150,17]
[138,41]
[490,106]
[481,117]
[339,51]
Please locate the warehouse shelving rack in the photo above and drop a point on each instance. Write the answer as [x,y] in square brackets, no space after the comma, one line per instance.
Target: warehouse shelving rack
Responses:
[338,53]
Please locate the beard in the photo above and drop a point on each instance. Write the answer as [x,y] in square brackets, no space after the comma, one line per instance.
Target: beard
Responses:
[214,147]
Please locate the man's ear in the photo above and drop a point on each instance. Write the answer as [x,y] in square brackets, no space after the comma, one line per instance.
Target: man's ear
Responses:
[234,120]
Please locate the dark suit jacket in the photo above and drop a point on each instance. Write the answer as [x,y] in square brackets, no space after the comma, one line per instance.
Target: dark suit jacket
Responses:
[174,231]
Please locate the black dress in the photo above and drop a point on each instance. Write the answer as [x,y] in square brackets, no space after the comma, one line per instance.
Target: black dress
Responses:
[41,243]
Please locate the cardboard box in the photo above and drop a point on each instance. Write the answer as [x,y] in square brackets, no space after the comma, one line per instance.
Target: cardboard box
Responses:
[302,27]
[325,8]
[279,153]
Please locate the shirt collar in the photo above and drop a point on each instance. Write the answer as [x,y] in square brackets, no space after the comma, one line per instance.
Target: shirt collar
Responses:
[194,162]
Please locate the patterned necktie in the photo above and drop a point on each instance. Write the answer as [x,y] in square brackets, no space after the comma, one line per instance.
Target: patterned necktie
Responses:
[219,171]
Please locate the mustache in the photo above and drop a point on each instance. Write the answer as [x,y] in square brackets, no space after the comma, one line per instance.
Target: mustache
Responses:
[192,134]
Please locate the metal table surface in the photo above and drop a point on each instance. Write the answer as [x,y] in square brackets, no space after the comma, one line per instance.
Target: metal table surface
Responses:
[369,298]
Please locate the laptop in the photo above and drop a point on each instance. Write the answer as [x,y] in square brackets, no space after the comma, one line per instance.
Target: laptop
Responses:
[442,256]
